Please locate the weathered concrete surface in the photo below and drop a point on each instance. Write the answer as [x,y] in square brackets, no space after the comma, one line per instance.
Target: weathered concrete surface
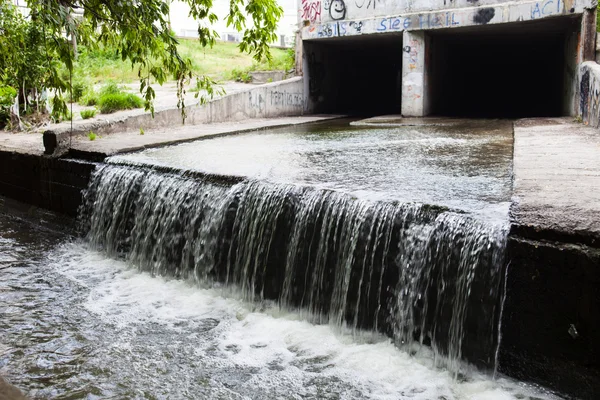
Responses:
[557,180]
[349,18]
[128,141]
[50,183]
[21,142]
[29,176]
[284,98]
[588,91]
[414,79]
[551,323]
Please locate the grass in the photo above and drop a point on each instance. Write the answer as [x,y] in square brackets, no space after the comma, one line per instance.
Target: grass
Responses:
[104,65]
[92,136]
[112,98]
[87,114]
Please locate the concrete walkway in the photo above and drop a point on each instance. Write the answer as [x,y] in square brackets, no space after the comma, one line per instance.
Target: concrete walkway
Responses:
[122,142]
[132,141]
[166,98]
[557,179]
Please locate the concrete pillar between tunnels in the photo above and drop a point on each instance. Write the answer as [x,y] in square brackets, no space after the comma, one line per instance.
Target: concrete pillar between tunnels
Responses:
[414,77]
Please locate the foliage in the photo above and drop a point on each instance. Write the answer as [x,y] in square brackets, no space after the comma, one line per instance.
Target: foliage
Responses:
[87,114]
[7,99]
[142,131]
[92,136]
[89,99]
[112,98]
[28,58]
[79,89]
[110,88]
[140,33]
[241,75]
[60,112]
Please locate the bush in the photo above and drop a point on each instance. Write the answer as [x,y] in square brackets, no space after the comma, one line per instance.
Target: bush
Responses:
[110,88]
[79,89]
[112,98]
[240,75]
[110,103]
[87,114]
[89,99]
[7,99]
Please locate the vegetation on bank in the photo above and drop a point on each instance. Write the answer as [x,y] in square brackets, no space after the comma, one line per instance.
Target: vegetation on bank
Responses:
[221,62]
[39,53]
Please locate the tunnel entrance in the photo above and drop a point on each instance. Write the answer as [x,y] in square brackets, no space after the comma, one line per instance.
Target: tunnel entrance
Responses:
[360,75]
[509,70]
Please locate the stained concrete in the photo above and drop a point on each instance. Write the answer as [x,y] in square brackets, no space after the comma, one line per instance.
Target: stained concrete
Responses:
[556,180]
[551,324]
[129,141]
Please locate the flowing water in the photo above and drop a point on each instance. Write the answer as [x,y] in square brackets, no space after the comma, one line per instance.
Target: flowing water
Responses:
[195,285]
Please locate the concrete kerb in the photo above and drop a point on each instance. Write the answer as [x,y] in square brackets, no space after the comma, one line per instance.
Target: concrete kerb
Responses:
[99,156]
[286,99]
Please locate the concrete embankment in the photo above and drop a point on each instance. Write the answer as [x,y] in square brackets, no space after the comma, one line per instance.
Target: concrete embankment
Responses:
[551,323]
[272,100]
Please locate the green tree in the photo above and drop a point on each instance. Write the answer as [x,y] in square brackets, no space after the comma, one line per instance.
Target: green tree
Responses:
[140,33]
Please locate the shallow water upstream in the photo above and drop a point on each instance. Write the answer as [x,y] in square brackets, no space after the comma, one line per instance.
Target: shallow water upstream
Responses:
[281,287]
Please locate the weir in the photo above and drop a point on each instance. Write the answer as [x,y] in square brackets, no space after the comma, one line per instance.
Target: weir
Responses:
[422,274]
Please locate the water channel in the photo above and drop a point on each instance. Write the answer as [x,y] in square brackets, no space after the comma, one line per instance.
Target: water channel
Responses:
[315,262]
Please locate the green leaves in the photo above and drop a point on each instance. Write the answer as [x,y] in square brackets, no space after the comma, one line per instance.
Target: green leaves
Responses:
[139,31]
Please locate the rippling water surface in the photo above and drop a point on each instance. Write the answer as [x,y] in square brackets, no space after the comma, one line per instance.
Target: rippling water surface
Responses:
[76,324]
[465,165]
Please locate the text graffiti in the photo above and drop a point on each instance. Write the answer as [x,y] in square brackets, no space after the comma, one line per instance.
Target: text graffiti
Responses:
[311,10]
[548,7]
[256,101]
[286,99]
[442,20]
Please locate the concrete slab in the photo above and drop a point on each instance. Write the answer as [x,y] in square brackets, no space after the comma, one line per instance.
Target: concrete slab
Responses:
[124,142]
[22,142]
[556,180]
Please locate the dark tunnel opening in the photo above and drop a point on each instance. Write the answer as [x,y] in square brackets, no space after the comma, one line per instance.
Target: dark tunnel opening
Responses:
[360,75]
[524,69]
[509,71]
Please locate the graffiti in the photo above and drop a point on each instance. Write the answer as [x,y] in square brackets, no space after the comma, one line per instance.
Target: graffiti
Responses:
[413,53]
[369,3]
[357,26]
[421,21]
[337,10]
[340,29]
[484,15]
[311,10]
[584,95]
[285,99]
[256,101]
[548,7]
[589,96]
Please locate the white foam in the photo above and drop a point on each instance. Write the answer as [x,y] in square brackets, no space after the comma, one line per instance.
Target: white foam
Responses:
[285,350]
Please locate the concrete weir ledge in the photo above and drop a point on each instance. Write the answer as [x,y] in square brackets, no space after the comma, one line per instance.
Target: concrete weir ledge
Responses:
[550,323]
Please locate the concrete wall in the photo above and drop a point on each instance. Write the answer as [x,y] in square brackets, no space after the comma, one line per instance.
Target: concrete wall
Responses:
[588,93]
[53,184]
[277,99]
[388,16]
[328,21]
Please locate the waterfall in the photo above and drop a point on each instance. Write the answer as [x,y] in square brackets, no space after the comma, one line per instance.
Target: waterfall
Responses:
[418,273]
